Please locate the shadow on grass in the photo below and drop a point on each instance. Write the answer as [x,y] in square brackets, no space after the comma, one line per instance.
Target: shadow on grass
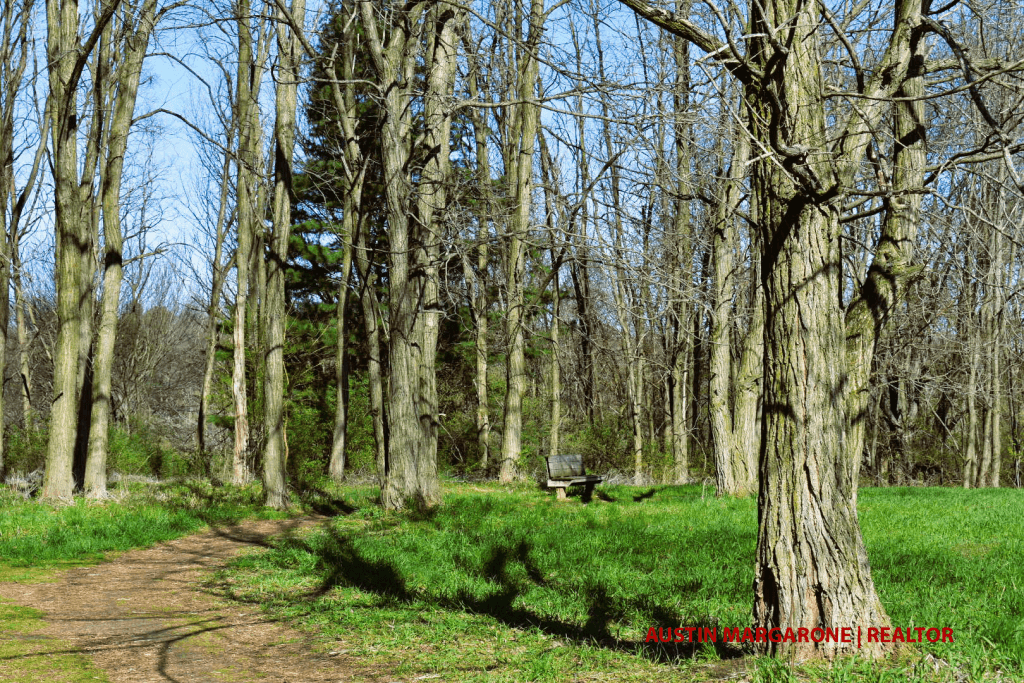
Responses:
[324,503]
[222,508]
[645,495]
[345,565]
[585,493]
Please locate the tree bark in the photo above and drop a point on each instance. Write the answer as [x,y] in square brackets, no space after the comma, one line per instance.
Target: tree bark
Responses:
[343,91]
[811,568]
[736,471]
[218,273]
[65,56]
[680,275]
[477,282]
[410,468]
[519,169]
[288,55]
[126,82]
[886,281]
[14,52]
[249,76]
[336,465]
[371,306]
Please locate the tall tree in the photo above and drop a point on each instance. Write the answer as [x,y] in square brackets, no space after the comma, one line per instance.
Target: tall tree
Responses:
[414,233]
[476,279]
[67,55]
[812,569]
[289,21]
[15,49]
[132,30]
[520,140]
[253,47]
[735,449]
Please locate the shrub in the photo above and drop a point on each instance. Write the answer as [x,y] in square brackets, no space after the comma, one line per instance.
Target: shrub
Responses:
[26,449]
[137,449]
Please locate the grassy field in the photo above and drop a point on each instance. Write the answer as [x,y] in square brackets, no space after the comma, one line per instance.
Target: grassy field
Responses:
[506,584]
[36,539]
[509,585]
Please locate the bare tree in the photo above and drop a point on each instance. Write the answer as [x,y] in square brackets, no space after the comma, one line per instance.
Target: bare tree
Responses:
[67,55]
[15,50]
[288,56]
[800,172]
[131,30]
[519,139]
[410,470]
[253,49]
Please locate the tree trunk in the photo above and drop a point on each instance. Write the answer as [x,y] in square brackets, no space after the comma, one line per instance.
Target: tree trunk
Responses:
[680,240]
[370,306]
[336,465]
[556,372]
[410,468]
[812,569]
[736,474]
[805,577]
[995,382]
[477,282]
[250,71]
[886,281]
[522,138]
[746,431]
[15,47]
[25,370]
[970,441]
[343,91]
[218,272]
[133,51]
[276,315]
[72,235]
[554,213]
[441,24]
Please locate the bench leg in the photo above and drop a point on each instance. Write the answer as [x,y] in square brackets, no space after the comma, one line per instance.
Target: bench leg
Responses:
[560,493]
[588,492]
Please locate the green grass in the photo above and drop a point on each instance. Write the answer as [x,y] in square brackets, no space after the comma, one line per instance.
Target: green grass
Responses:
[27,657]
[504,584]
[36,538]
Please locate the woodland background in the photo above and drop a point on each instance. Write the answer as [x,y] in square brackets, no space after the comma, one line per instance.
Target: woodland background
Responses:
[572,225]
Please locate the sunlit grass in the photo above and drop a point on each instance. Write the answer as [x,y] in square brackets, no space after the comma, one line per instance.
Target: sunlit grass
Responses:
[507,584]
[35,536]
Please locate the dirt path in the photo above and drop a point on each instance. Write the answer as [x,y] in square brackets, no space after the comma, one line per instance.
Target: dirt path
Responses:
[144,617]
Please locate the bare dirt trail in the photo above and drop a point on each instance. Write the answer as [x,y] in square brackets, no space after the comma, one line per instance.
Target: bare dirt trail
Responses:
[144,617]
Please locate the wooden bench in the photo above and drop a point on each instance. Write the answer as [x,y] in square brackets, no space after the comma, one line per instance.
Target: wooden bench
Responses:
[567,470]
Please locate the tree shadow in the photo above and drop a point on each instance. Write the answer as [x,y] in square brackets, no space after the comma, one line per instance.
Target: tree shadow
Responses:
[324,503]
[511,568]
[645,495]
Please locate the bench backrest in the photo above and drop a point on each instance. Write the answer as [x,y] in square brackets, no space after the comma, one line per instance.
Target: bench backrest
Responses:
[565,466]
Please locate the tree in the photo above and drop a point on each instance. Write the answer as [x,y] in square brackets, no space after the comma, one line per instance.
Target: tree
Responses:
[253,49]
[288,56]
[66,59]
[519,141]
[15,46]
[120,88]
[414,223]
[732,422]
[812,569]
